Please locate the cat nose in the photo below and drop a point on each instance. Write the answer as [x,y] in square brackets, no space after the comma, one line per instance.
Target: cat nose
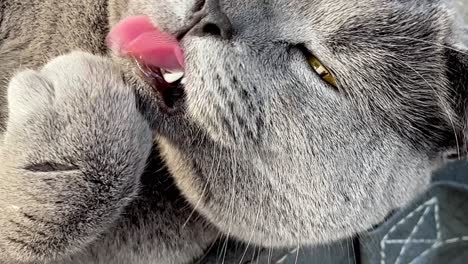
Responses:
[210,20]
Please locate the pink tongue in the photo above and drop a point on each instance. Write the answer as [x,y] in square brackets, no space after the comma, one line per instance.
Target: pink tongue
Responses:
[137,37]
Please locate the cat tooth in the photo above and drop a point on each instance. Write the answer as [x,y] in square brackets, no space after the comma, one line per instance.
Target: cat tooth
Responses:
[183,81]
[172,77]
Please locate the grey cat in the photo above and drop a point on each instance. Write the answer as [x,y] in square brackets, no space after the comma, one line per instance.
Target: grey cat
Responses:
[260,146]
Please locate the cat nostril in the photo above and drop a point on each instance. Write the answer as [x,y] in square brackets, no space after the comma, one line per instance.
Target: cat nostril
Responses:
[215,25]
[199,5]
[209,20]
[212,29]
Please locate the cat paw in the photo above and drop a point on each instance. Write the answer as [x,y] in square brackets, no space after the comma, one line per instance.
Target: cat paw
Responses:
[78,105]
[71,157]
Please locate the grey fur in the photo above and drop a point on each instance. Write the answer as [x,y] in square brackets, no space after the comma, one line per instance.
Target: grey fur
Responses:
[72,159]
[266,151]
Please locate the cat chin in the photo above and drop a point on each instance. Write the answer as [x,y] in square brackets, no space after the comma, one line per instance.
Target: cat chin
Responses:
[293,214]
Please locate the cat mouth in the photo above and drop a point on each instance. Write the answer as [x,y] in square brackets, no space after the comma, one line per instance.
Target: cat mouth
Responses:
[159,56]
[169,86]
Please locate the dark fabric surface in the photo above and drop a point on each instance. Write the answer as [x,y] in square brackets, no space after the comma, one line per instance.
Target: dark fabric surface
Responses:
[237,253]
[432,230]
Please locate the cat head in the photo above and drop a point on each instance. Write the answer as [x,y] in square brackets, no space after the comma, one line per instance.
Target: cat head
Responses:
[307,121]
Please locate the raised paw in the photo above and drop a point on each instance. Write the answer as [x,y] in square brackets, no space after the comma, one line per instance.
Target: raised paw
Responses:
[71,157]
[77,102]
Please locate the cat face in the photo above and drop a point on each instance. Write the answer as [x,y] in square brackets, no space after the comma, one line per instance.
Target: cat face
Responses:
[273,153]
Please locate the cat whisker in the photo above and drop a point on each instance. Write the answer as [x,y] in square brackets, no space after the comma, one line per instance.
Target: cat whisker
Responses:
[433,44]
[208,250]
[297,253]
[203,193]
[445,107]
[231,202]
[255,224]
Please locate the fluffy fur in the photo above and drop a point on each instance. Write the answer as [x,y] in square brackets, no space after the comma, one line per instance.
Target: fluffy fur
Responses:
[265,151]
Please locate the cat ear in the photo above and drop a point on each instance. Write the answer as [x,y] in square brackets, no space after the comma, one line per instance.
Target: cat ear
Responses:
[457,72]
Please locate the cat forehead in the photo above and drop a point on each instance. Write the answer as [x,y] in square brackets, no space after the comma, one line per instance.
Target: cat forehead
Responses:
[286,17]
[365,24]
[269,8]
